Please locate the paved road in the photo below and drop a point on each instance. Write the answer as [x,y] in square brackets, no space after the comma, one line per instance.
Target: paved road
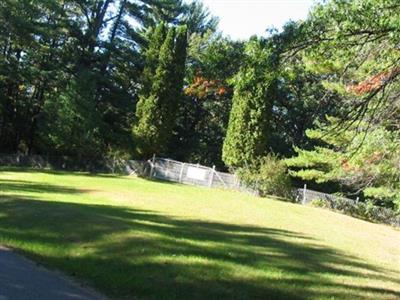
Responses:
[22,279]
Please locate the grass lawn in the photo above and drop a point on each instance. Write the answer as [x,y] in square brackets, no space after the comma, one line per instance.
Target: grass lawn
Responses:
[136,239]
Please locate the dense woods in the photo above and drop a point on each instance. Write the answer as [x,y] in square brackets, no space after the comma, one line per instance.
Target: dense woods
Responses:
[129,78]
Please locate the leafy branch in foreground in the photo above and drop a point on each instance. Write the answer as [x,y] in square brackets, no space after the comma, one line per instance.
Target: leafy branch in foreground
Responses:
[366,165]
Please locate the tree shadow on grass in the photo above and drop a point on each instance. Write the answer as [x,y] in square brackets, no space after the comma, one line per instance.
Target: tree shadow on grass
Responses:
[130,253]
[60,172]
[8,185]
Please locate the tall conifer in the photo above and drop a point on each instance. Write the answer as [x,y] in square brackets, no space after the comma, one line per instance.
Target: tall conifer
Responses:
[254,92]
[156,113]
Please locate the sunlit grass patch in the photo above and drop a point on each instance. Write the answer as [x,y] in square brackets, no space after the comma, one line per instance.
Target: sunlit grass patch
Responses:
[134,238]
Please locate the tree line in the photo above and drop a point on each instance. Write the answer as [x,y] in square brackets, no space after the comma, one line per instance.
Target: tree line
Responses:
[316,101]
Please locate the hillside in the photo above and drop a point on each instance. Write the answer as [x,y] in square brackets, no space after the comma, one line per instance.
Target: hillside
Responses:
[134,238]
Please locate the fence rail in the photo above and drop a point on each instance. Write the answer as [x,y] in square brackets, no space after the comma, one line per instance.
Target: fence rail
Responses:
[73,163]
[306,196]
[194,174]
[349,206]
[161,168]
[187,173]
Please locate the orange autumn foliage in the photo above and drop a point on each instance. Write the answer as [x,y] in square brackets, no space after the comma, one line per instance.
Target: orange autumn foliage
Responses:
[202,87]
[375,82]
[372,159]
[221,91]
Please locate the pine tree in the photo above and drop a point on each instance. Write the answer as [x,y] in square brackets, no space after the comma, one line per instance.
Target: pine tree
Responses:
[156,113]
[75,128]
[156,39]
[180,53]
[361,164]
[254,92]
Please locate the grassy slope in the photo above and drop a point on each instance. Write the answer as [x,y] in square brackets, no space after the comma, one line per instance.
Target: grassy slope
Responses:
[137,238]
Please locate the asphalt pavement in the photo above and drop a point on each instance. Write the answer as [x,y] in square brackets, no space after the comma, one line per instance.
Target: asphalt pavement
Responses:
[22,279]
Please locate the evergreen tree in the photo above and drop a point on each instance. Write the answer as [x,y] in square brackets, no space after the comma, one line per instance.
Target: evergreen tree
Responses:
[354,45]
[156,113]
[204,114]
[254,93]
[362,164]
[73,62]
[180,53]
[156,38]
[76,126]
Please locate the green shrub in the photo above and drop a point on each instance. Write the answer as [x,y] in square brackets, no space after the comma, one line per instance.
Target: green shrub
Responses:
[319,203]
[268,176]
[364,210]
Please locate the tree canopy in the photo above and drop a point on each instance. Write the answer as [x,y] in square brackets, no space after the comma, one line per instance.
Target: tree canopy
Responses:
[133,78]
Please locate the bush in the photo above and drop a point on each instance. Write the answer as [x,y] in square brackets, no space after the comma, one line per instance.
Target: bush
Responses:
[116,160]
[320,203]
[268,176]
[364,210]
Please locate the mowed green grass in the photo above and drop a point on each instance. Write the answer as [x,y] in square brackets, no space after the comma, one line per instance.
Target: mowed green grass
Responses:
[132,238]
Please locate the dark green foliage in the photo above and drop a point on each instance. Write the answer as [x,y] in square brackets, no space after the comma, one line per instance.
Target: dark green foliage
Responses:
[363,210]
[254,94]
[267,175]
[364,165]
[74,128]
[180,54]
[70,71]
[350,43]
[352,47]
[301,101]
[204,114]
[156,113]
[75,76]
[151,56]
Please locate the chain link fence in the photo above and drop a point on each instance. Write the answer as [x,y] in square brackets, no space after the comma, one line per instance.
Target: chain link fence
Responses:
[348,206]
[194,174]
[306,196]
[70,163]
[160,168]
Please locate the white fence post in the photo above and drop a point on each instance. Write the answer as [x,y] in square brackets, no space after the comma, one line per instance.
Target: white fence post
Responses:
[211,177]
[304,194]
[152,165]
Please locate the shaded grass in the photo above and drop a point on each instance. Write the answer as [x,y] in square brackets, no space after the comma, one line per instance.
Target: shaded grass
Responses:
[132,238]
